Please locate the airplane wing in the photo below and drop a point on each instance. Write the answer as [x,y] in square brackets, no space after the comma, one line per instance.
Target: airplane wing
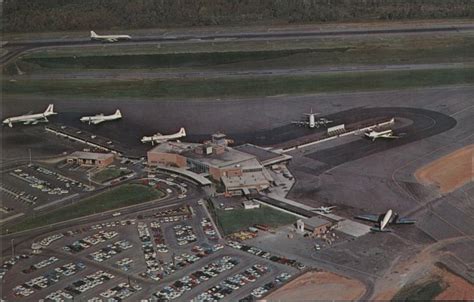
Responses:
[374,229]
[389,136]
[369,217]
[299,123]
[112,40]
[402,220]
[97,121]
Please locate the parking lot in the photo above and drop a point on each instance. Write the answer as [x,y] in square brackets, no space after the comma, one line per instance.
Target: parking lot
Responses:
[117,258]
[33,187]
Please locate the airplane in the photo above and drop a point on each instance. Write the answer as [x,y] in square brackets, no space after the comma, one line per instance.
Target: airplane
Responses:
[109,38]
[382,134]
[324,210]
[99,118]
[29,118]
[160,138]
[384,219]
[312,122]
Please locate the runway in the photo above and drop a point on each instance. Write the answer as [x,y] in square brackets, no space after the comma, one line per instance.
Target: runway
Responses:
[16,48]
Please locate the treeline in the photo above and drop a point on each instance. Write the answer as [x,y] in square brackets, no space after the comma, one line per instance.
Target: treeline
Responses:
[57,15]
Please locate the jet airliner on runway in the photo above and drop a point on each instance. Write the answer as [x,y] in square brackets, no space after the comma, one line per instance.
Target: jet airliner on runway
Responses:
[31,118]
[99,118]
[160,138]
[383,220]
[109,38]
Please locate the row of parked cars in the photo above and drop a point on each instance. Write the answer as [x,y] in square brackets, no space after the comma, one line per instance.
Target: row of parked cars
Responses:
[158,237]
[50,239]
[232,283]
[118,293]
[88,282]
[40,265]
[124,263]
[39,184]
[184,234]
[47,279]
[113,224]
[208,229]
[262,290]
[110,250]
[266,255]
[186,283]
[66,180]
[87,242]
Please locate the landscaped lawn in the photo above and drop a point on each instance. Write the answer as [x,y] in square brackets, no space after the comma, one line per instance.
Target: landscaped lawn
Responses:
[109,173]
[240,219]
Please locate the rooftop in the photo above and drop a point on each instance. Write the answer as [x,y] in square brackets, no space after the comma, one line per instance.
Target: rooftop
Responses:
[260,153]
[315,222]
[91,155]
[229,157]
[174,147]
[248,179]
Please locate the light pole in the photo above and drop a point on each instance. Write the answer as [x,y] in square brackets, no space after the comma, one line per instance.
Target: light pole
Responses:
[13,249]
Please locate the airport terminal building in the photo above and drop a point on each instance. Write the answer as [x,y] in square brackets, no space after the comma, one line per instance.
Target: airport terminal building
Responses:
[238,171]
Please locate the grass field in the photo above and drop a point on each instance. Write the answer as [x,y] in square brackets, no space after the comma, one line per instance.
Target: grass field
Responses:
[242,87]
[242,55]
[235,220]
[108,174]
[125,195]
[253,54]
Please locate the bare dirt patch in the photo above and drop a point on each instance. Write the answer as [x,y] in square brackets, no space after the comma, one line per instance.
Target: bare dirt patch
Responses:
[416,270]
[457,288]
[449,172]
[323,285]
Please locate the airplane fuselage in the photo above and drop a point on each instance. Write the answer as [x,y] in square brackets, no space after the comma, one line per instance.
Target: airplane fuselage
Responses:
[99,118]
[109,38]
[159,138]
[30,118]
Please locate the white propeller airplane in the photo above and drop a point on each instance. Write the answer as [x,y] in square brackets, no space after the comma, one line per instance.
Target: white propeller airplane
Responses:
[324,210]
[32,119]
[312,122]
[382,134]
[99,118]
[160,138]
[383,220]
[109,38]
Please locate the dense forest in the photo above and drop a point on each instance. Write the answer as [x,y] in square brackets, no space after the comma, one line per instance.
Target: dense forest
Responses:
[57,15]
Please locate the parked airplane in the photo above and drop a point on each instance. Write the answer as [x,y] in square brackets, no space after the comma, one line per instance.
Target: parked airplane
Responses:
[109,38]
[324,210]
[312,122]
[383,220]
[382,134]
[31,118]
[99,118]
[160,138]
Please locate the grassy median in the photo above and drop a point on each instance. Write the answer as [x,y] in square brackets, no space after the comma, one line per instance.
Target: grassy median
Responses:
[122,196]
[240,219]
[242,87]
[109,174]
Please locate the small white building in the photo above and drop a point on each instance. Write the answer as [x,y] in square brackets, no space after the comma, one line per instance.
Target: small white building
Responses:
[248,205]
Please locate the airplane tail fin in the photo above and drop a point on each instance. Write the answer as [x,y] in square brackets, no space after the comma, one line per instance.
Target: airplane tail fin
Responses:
[93,34]
[50,109]
[118,113]
[182,131]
